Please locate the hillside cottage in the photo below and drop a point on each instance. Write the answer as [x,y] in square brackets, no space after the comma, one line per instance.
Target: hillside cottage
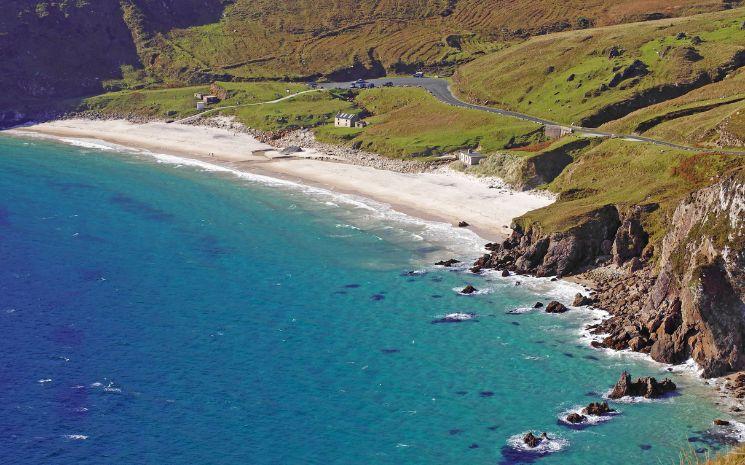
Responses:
[554,131]
[198,95]
[210,99]
[200,105]
[470,157]
[345,120]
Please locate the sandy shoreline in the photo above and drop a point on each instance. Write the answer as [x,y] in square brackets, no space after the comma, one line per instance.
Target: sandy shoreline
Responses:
[441,195]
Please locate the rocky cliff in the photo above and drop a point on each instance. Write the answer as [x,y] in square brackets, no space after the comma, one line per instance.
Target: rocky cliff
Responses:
[685,301]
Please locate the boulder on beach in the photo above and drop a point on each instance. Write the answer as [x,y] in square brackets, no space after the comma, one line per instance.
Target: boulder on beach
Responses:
[505,273]
[555,307]
[647,387]
[463,224]
[720,422]
[448,263]
[468,290]
[538,305]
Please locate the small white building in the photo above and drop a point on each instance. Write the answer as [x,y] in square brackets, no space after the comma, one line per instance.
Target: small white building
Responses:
[345,120]
[470,157]
[198,95]
[200,105]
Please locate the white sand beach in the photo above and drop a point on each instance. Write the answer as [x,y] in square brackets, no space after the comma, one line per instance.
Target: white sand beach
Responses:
[442,195]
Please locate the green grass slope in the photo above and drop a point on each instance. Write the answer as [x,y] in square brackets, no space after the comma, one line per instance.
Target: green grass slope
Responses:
[591,77]
[54,49]
[306,110]
[410,122]
[712,116]
[624,174]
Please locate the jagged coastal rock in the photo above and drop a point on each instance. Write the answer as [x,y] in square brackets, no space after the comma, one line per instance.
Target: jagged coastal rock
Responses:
[684,300]
[647,387]
[581,300]
[468,290]
[576,418]
[597,409]
[556,307]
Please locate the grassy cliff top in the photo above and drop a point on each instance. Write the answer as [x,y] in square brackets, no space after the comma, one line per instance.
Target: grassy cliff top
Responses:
[711,115]
[574,81]
[620,173]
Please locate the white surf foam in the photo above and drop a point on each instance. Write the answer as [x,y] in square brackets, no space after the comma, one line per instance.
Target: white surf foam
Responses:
[75,437]
[554,444]
[591,419]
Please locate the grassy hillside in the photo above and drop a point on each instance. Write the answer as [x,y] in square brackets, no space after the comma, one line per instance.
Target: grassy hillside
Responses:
[65,48]
[307,110]
[590,77]
[410,122]
[713,115]
[620,173]
[268,38]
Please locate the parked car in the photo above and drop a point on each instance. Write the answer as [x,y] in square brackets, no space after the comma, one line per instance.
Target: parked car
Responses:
[419,74]
[388,84]
[370,85]
[353,85]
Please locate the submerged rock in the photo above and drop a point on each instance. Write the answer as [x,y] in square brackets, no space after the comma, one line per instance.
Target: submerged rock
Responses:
[647,387]
[555,307]
[456,318]
[447,263]
[538,305]
[720,422]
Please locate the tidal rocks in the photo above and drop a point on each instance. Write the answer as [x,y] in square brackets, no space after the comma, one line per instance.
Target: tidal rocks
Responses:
[576,418]
[647,387]
[720,422]
[531,440]
[505,273]
[463,224]
[456,318]
[534,441]
[556,307]
[447,263]
[468,290]
[538,305]
[581,300]
[597,409]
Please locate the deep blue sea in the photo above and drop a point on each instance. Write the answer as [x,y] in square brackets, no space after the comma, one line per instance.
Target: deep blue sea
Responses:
[157,313]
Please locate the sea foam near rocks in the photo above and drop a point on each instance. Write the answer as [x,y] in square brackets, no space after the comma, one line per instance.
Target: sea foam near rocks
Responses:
[554,444]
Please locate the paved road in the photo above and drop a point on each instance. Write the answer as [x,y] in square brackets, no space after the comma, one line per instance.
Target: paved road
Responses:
[440,88]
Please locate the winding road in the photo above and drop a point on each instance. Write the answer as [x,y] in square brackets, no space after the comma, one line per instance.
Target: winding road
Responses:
[440,89]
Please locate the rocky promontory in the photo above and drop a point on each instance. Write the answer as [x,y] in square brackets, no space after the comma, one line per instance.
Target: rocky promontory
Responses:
[675,298]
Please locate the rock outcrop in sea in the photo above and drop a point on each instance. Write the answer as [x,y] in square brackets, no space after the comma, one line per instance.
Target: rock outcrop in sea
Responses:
[647,387]
[683,300]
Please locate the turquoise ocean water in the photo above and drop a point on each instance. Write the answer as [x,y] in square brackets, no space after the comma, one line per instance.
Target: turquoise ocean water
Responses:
[154,313]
